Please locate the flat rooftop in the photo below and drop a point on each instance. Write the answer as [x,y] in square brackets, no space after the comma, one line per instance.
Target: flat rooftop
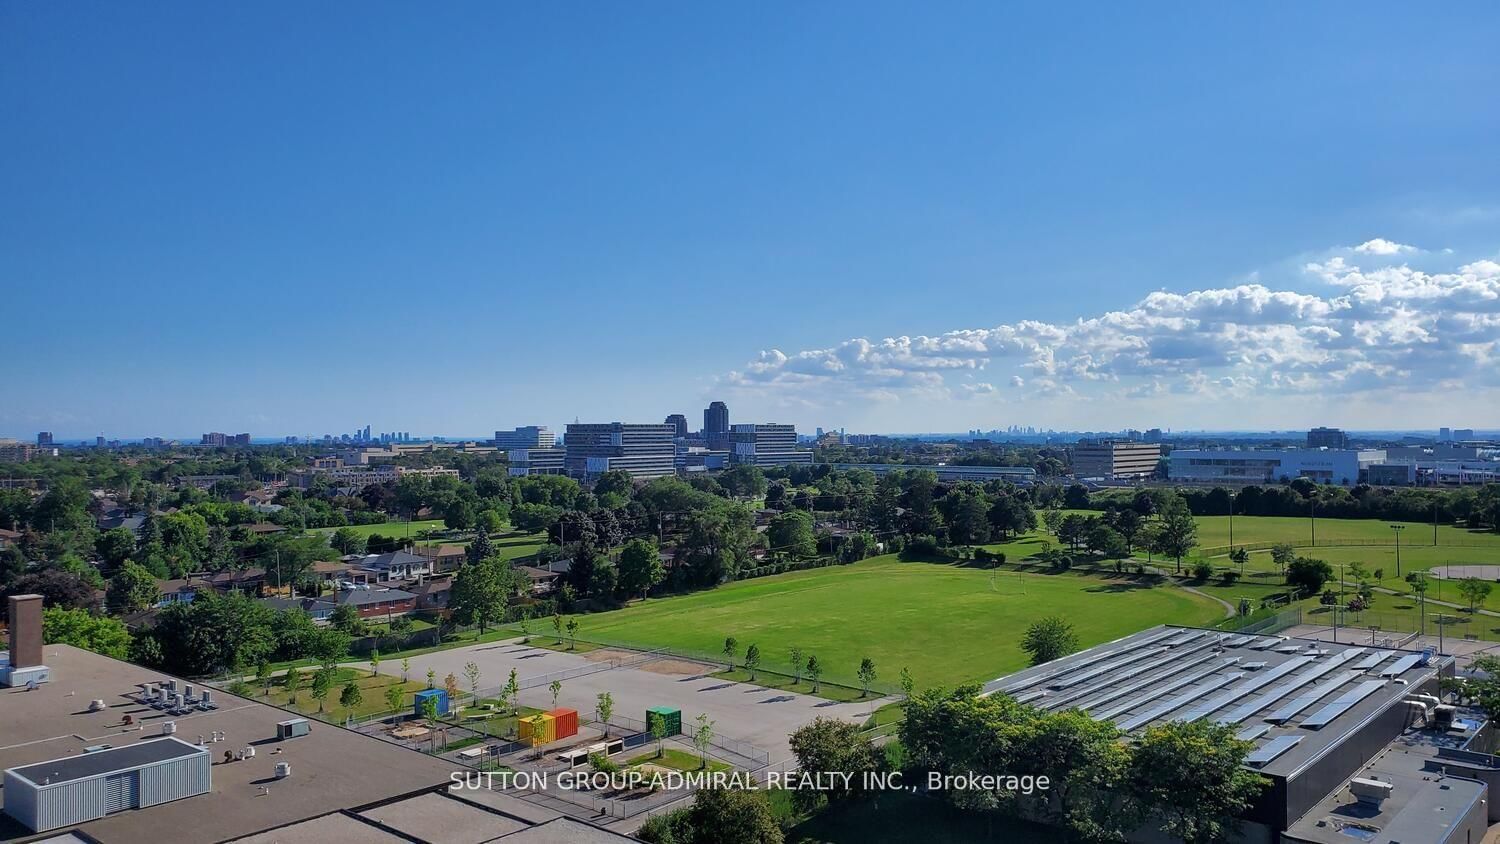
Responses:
[332,769]
[1294,698]
[123,758]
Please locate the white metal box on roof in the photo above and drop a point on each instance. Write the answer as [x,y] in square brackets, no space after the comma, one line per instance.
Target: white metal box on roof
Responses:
[88,786]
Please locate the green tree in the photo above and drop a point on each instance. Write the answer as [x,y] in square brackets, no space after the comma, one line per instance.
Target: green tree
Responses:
[263,677]
[511,693]
[796,655]
[1191,779]
[82,629]
[573,633]
[115,547]
[481,592]
[866,675]
[752,659]
[557,627]
[350,698]
[703,736]
[556,688]
[347,541]
[481,548]
[131,589]
[1177,532]
[1307,575]
[1048,639]
[1239,557]
[393,696]
[658,725]
[968,518]
[908,683]
[814,671]
[471,673]
[322,682]
[731,647]
[723,816]
[835,746]
[1475,591]
[431,679]
[1282,554]
[791,533]
[292,682]
[640,567]
[604,709]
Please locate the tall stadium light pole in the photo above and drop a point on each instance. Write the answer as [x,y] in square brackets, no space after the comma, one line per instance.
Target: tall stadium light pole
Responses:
[1398,529]
[1434,523]
[1231,520]
[1312,519]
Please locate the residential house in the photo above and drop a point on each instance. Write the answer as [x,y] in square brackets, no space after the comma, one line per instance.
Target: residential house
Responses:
[320,609]
[8,538]
[432,595]
[446,557]
[542,581]
[378,604]
[397,565]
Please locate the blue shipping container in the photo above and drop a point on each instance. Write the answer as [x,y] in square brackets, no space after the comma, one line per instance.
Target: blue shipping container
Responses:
[442,701]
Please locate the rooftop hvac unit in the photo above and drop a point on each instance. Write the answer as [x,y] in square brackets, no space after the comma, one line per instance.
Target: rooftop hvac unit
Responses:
[208,696]
[172,685]
[168,727]
[187,689]
[1442,716]
[293,728]
[1369,791]
[283,770]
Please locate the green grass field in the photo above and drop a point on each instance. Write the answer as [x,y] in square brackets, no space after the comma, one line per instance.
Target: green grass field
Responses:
[398,529]
[945,623]
[1213,531]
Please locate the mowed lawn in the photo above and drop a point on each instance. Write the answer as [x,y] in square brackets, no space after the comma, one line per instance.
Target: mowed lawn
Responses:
[945,623]
[1213,532]
[397,529]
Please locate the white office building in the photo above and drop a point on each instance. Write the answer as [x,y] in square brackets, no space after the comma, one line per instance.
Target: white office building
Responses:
[766,445]
[1269,466]
[529,436]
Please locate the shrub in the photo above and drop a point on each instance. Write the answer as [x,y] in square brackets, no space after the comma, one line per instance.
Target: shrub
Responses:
[1202,570]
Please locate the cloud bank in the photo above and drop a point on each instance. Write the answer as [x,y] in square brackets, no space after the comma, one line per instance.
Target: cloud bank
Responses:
[1367,322]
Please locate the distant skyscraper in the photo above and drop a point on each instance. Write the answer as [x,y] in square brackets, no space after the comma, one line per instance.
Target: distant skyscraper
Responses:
[716,425]
[1461,434]
[530,436]
[44,438]
[1327,438]
[99,442]
[1445,435]
[679,423]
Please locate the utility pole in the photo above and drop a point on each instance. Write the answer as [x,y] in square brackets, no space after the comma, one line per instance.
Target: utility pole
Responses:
[1312,519]
[1231,520]
[1398,529]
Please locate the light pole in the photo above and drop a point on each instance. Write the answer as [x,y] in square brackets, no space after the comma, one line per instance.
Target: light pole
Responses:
[1398,529]
[1312,519]
[1231,520]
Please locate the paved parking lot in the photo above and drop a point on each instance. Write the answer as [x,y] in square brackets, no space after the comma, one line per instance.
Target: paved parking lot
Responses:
[763,717]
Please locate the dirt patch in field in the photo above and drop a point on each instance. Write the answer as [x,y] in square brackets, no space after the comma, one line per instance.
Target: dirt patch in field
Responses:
[609,655]
[675,667]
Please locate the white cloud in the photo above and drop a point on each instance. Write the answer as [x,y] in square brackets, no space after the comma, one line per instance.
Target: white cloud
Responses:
[1365,330]
[1381,246]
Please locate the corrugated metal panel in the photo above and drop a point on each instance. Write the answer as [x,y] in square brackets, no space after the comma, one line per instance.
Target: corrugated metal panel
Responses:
[20,800]
[174,780]
[69,803]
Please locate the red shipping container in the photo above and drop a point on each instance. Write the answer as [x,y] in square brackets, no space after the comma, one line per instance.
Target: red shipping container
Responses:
[567,721]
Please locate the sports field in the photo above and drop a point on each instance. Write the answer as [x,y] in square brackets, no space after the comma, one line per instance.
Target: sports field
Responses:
[397,529]
[945,623]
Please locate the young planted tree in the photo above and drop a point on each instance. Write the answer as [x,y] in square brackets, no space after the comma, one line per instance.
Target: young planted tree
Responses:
[321,683]
[556,689]
[908,683]
[350,698]
[557,627]
[374,662]
[471,673]
[431,679]
[814,671]
[1239,557]
[263,676]
[796,665]
[292,681]
[703,736]
[731,647]
[866,675]
[604,709]
[450,685]
[538,722]
[658,731]
[1282,555]
[1475,590]
[752,659]
[572,634]
[511,693]
[405,668]
[393,695]
[1048,639]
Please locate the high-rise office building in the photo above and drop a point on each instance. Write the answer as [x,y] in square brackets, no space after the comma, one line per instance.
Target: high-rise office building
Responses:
[44,438]
[1115,459]
[645,451]
[766,445]
[528,436]
[1445,435]
[678,423]
[1461,434]
[716,425]
[1327,438]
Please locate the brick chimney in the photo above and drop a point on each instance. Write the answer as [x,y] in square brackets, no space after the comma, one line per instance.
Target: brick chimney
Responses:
[25,642]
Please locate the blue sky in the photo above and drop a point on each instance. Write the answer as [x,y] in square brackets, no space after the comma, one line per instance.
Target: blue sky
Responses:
[285,219]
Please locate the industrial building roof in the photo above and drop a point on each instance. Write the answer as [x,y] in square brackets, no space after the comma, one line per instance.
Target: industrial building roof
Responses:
[1294,698]
[124,758]
[332,769]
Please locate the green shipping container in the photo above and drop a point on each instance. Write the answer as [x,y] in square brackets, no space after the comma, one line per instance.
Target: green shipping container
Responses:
[672,717]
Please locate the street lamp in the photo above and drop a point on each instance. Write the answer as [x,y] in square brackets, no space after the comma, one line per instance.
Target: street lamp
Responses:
[1398,529]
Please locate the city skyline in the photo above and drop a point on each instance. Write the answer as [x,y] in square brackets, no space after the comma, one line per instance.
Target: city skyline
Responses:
[1241,217]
